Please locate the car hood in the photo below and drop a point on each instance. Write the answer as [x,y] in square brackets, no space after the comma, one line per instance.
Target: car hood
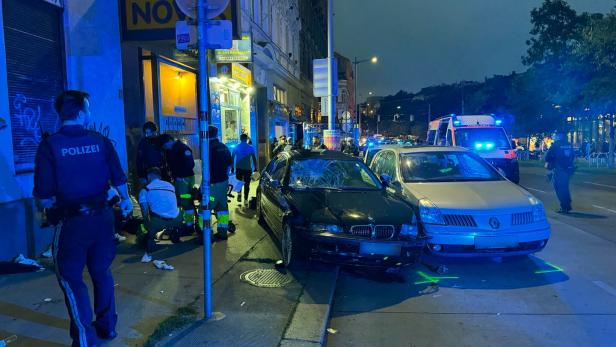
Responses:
[484,195]
[350,207]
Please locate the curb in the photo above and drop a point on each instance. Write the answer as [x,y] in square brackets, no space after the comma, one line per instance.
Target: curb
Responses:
[308,324]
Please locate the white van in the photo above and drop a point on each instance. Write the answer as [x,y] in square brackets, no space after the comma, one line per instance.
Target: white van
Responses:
[480,133]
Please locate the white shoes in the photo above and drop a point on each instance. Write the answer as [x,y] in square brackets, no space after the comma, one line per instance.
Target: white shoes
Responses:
[120,238]
[146,258]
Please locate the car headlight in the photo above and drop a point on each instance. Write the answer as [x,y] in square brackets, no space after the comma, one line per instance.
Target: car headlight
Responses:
[408,230]
[538,210]
[325,228]
[429,213]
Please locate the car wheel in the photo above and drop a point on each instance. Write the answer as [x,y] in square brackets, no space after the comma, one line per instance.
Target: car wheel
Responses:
[292,253]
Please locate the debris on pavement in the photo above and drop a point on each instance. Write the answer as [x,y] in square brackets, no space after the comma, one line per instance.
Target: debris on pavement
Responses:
[8,340]
[20,259]
[162,265]
[332,331]
[433,288]
[243,303]
[436,296]
[47,300]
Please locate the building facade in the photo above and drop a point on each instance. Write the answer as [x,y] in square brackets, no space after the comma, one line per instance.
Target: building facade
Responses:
[123,53]
[48,46]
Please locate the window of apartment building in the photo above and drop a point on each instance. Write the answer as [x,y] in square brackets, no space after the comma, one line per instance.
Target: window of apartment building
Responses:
[280,95]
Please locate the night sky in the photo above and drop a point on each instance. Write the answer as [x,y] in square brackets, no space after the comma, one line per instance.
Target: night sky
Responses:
[426,42]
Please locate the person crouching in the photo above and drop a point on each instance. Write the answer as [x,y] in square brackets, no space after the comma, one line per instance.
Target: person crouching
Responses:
[160,212]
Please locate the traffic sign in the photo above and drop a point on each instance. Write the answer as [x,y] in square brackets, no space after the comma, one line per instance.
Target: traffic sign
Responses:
[214,7]
[319,79]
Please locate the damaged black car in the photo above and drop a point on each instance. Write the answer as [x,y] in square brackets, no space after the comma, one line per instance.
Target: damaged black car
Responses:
[327,206]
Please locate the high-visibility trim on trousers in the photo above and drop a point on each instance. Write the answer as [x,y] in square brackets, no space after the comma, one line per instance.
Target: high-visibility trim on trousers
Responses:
[66,288]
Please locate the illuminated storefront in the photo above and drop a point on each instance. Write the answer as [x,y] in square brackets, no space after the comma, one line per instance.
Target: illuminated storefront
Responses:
[231,103]
[170,97]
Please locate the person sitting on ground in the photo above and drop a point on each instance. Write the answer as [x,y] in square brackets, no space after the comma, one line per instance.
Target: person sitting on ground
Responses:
[160,212]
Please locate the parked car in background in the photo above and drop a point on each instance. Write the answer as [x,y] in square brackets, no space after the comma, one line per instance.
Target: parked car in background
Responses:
[464,205]
[328,206]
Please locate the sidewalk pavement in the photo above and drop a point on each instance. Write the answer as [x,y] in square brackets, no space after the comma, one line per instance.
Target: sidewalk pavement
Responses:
[151,302]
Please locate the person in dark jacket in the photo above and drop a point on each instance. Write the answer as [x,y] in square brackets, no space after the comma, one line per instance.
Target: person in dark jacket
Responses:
[181,164]
[220,164]
[560,160]
[245,160]
[149,154]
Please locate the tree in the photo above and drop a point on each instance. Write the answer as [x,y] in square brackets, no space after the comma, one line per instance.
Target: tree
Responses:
[556,30]
[598,48]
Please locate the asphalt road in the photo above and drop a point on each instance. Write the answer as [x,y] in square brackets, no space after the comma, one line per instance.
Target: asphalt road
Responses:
[562,296]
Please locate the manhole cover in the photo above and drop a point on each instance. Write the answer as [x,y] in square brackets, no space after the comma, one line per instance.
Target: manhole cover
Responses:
[268,278]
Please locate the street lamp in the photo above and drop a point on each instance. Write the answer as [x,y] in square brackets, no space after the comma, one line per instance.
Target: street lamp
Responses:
[356,62]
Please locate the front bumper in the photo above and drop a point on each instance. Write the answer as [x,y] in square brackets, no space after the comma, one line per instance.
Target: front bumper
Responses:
[488,244]
[346,250]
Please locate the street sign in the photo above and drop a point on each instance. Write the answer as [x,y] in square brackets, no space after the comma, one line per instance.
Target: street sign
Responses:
[185,35]
[319,82]
[214,7]
[219,34]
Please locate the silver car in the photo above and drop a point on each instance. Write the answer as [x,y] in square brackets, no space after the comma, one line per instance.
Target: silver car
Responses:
[464,205]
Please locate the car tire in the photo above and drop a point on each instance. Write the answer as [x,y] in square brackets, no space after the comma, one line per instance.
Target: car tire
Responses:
[292,252]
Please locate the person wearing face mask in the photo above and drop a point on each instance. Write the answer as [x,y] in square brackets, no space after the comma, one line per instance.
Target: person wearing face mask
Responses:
[74,169]
[149,154]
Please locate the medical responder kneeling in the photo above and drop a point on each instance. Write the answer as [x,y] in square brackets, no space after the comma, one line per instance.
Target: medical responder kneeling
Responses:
[73,170]
[160,212]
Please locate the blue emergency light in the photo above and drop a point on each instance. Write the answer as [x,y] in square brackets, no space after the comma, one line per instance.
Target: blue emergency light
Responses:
[457,122]
[498,122]
[482,145]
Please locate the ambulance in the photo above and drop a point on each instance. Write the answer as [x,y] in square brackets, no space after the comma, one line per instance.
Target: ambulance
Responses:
[482,134]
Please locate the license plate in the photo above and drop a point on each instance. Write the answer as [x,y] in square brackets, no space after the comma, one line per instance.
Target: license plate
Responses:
[496,242]
[391,249]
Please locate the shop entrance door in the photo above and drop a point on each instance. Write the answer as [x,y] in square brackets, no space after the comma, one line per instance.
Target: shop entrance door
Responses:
[231,124]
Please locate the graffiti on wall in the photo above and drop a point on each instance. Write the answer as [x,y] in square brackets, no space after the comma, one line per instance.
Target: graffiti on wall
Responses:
[102,129]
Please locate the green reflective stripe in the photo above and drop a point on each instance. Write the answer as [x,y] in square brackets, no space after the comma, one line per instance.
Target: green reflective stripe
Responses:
[185,196]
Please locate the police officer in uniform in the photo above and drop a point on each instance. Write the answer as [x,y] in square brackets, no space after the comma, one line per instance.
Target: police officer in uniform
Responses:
[560,160]
[181,164]
[73,170]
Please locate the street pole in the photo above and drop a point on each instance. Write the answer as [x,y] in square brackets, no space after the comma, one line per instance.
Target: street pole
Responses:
[331,136]
[205,213]
[357,113]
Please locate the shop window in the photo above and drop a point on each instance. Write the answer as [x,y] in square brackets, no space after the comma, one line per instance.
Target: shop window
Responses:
[178,91]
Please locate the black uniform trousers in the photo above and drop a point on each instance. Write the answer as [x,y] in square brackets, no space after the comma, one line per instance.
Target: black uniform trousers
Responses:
[87,240]
[561,186]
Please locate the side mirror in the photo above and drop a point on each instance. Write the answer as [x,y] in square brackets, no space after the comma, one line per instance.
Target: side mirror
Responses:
[397,186]
[386,179]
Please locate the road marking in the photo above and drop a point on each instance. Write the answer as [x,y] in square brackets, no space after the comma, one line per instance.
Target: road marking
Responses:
[603,208]
[600,185]
[605,287]
[537,190]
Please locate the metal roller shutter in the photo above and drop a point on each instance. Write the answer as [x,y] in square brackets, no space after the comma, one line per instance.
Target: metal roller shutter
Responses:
[35,73]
